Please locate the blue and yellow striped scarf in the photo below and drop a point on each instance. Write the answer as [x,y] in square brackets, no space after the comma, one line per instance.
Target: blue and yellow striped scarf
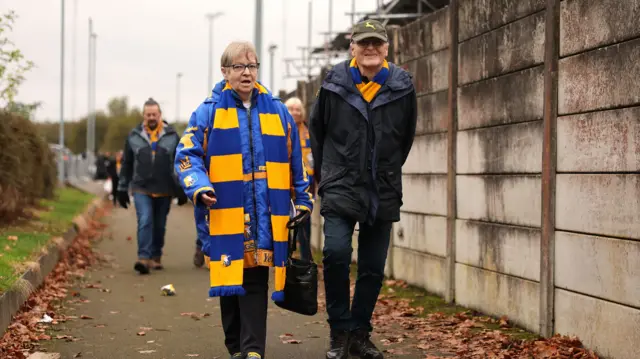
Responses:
[371,88]
[154,135]
[227,217]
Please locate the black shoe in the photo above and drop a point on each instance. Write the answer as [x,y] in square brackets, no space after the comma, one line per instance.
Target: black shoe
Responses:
[362,347]
[339,345]
[142,266]
[198,258]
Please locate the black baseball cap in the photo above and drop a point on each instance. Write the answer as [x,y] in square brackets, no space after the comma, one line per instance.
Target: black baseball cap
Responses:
[367,29]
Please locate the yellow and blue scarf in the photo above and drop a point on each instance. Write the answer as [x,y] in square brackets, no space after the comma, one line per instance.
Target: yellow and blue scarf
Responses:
[371,88]
[154,135]
[227,217]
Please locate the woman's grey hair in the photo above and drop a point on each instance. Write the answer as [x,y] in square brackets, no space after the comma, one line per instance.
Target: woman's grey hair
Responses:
[296,101]
[235,49]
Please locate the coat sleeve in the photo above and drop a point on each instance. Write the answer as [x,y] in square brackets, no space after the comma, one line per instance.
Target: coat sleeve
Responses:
[126,167]
[300,183]
[412,118]
[189,162]
[317,128]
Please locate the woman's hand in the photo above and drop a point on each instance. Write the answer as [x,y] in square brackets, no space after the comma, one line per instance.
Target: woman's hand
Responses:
[208,198]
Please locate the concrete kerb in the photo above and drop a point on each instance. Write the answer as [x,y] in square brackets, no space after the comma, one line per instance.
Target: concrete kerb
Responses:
[12,300]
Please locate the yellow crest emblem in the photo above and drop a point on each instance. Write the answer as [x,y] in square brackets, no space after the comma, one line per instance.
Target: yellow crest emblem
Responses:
[368,24]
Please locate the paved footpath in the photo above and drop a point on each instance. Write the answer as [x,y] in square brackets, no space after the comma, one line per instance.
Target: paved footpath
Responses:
[183,326]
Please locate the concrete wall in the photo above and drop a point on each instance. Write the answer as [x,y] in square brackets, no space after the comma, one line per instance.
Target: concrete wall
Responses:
[597,242]
[499,153]
[499,257]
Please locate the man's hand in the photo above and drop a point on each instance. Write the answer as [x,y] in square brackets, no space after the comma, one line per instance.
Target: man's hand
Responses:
[182,200]
[123,199]
[208,198]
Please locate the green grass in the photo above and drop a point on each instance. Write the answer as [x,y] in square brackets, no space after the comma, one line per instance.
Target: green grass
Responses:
[53,219]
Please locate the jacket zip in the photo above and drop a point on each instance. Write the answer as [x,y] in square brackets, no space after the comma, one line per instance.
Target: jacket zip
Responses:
[253,182]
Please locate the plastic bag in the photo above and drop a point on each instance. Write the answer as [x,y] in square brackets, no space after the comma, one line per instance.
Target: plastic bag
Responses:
[108,186]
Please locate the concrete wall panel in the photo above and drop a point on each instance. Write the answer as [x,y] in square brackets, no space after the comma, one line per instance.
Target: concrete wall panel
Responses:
[422,233]
[587,24]
[498,294]
[426,194]
[432,72]
[504,199]
[423,36]
[612,270]
[603,141]
[478,16]
[600,79]
[502,149]
[610,329]
[513,47]
[512,98]
[604,204]
[428,155]
[509,250]
[432,113]
[420,269]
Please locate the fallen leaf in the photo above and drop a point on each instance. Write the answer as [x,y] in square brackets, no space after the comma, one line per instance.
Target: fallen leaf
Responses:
[129,238]
[193,355]
[77,355]
[141,334]
[99,326]
[114,312]
[85,317]
[146,351]
[142,298]
[12,238]
[146,329]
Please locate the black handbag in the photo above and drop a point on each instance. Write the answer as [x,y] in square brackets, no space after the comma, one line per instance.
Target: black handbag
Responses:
[301,284]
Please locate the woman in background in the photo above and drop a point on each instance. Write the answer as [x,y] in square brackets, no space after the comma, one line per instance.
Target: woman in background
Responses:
[294,105]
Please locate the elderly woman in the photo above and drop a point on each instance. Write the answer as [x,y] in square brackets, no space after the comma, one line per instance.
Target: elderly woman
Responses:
[252,170]
[296,109]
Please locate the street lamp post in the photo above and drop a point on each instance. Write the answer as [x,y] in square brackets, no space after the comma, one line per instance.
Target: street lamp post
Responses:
[272,51]
[61,133]
[178,76]
[211,17]
[258,29]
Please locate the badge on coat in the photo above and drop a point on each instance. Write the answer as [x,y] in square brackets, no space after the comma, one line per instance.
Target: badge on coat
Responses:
[190,180]
[185,164]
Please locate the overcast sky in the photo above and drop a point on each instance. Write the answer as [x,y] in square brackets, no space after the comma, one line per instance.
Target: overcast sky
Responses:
[142,44]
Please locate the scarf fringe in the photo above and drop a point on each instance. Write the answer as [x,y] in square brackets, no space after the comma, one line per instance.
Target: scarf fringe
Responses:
[227,291]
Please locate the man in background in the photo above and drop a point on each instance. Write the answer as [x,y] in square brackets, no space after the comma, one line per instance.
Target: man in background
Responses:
[147,169]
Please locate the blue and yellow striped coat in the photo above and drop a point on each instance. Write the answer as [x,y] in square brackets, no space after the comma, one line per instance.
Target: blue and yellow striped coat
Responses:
[193,163]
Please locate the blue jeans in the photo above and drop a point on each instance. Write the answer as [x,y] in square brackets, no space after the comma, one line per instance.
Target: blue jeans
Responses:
[373,243]
[303,238]
[152,221]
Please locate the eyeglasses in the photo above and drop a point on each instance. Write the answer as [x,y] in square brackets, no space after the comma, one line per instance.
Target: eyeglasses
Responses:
[240,67]
[370,41]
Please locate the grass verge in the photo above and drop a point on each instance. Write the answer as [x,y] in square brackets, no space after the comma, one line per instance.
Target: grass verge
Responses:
[20,244]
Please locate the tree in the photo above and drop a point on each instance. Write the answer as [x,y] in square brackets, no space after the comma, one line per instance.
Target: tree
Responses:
[13,67]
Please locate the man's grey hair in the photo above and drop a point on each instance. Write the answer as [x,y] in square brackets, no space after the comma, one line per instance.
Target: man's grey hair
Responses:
[152,102]
[235,49]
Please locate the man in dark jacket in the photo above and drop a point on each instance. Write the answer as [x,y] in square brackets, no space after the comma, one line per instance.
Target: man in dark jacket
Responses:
[147,168]
[362,130]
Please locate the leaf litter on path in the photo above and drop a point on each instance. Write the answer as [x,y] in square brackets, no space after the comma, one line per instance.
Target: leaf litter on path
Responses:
[26,330]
